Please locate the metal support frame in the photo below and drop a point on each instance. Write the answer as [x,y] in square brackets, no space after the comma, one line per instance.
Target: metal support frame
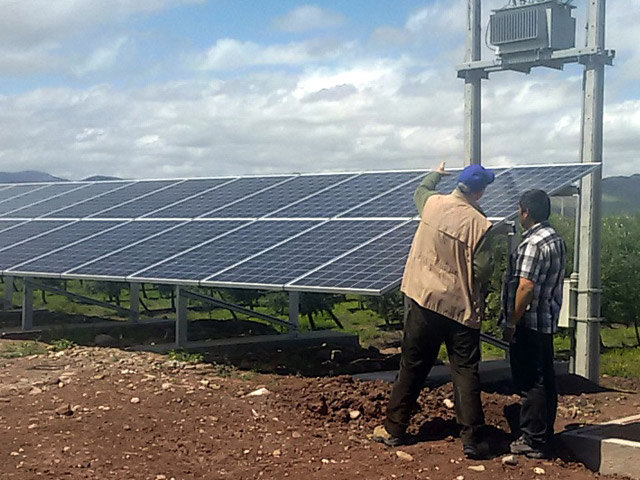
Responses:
[588,316]
[181,318]
[473,87]
[134,302]
[594,57]
[237,308]
[27,304]
[294,309]
[7,301]
[79,298]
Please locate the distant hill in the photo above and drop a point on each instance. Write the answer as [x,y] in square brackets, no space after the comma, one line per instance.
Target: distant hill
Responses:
[621,195]
[100,178]
[28,176]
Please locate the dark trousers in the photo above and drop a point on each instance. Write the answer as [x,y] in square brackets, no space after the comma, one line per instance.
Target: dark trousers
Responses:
[535,377]
[424,332]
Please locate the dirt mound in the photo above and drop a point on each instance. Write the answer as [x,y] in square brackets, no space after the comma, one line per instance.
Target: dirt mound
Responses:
[92,412]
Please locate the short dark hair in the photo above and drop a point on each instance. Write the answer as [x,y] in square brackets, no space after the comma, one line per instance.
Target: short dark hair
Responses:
[537,203]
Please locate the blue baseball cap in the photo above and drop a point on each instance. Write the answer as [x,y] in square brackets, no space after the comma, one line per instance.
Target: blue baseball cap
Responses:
[476,178]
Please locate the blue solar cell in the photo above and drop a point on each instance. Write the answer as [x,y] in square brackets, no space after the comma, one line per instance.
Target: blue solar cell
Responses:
[159,248]
[95,247]
[276,198]
[36,196]
[48,242]
[399,202]
[501,199]
[26,231]
[224,195]
[5,224]
[108,200]
[304,253]
[347,195]
[16,190]
[226,251]
[70,198]
[162,198]
[376,267]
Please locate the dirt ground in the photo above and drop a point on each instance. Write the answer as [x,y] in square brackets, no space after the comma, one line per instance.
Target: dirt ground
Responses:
[98,412]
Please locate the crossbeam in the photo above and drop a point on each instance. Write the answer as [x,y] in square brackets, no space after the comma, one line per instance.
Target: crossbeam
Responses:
[80,298]
[239,309]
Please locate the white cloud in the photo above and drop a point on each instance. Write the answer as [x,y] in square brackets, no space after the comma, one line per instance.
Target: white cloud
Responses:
[343,106]
[102,58]
[230,54]
[306,18]
[37,35]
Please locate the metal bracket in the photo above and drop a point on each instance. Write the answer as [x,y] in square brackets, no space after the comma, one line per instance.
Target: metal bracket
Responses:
[554,59]
[80,298]
[239,309]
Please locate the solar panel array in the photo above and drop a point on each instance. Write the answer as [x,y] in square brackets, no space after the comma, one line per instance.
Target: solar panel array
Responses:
[344,232]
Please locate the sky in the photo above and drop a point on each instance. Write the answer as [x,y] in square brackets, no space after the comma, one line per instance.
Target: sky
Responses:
[192,88]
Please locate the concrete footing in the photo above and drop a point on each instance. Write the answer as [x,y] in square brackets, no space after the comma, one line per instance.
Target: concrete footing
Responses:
[610,448]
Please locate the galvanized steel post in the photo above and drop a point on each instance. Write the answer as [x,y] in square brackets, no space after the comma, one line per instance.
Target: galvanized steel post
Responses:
[473,87]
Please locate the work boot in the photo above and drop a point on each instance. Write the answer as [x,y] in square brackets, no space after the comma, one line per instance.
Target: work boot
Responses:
[477,451]
[381,435]
[522,447]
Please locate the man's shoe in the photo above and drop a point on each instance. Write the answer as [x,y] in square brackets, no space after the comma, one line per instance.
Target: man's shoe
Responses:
[381,435]
[522,447]
[477,451]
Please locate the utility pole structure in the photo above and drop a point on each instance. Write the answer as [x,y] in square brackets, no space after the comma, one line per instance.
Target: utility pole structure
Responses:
[473,87]
[541,33]
[587,321]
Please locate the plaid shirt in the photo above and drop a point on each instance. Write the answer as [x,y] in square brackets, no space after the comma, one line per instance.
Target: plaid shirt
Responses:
[540,257]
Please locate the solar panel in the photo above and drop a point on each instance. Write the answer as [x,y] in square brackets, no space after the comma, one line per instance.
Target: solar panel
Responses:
[332,233]
[86,250]
[6,224]
[501,198]
[154,250]
[301,254]
[97,204]
[345,196]
[399,202]
[276,198]
[374,267]
[90,190]
[162,198]
[49,242]
[16,190]
[226,251]
[26,231]
[35,196]
[219,197]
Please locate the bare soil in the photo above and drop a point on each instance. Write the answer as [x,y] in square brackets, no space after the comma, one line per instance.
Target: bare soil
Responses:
[98,412]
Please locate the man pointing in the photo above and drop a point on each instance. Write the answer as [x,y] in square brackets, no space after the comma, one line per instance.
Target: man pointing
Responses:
[444,280]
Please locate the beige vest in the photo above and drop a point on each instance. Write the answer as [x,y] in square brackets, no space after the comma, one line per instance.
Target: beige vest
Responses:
[439,270]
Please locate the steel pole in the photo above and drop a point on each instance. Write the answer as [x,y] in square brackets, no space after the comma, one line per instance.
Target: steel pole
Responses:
[473,87]
[587,357]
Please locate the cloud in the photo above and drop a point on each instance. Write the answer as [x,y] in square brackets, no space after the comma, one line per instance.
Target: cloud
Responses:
[37,35]
[306,18]
[102,58]
[230,54]
[311,105]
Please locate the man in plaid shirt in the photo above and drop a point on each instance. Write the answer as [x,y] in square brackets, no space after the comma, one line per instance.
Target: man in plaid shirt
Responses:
[531,300]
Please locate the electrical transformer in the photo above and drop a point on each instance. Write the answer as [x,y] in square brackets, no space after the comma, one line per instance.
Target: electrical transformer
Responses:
[528,30]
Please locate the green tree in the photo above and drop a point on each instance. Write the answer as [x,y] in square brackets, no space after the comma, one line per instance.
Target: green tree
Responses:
[620,258]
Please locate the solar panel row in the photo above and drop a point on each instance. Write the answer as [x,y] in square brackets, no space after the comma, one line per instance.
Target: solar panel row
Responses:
[87,230]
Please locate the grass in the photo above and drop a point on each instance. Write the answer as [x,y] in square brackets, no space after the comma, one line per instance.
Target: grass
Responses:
[185,357]
[62,344]
[22,349]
